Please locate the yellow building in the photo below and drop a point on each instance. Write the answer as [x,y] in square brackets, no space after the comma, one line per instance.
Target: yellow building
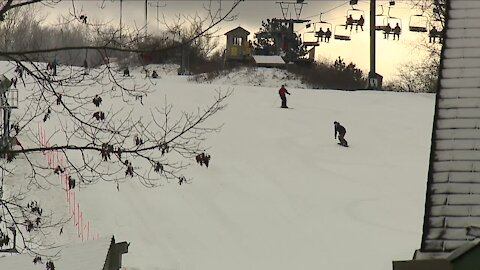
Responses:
[238,46]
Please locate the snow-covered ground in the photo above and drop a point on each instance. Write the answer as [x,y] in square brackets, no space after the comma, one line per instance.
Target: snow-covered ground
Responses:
[279,192]
[251,76]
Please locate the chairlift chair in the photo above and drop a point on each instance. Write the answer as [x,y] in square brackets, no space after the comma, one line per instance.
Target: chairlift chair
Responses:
[323,26]
[418,23]
[439,30]
[341,33]
[393,21]
[380,21]
[309,37]
[438,24]
[356,14]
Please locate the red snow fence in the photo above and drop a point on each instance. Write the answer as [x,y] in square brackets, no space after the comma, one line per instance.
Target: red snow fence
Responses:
[57,162]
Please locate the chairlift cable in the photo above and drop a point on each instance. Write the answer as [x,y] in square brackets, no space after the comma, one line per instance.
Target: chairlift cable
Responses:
[325,12]
[336,18]
[336,7]
[396,6]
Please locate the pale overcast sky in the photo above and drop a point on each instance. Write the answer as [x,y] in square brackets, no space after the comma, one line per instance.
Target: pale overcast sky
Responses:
[390,54]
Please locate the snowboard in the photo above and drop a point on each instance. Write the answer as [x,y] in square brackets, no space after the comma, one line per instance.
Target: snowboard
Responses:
[342,145]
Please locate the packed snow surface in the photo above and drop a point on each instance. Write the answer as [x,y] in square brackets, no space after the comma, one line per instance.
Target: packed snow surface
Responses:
[279,193]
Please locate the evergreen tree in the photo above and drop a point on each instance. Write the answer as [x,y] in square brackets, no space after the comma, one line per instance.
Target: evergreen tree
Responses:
[278,38]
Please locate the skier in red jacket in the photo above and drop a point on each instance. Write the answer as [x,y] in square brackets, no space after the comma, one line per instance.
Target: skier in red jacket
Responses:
[282,92]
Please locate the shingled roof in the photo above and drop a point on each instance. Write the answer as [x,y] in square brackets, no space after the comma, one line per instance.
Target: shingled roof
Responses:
[452,208]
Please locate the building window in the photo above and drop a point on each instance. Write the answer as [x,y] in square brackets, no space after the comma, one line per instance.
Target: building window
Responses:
[237,41]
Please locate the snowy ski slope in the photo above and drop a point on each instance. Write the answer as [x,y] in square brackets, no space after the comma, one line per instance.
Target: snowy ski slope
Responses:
[280,193]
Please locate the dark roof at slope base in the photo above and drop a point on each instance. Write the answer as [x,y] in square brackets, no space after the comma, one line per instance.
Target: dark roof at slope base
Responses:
[100,254]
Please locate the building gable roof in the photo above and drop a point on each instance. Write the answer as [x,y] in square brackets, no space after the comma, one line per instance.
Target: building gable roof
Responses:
[238,29]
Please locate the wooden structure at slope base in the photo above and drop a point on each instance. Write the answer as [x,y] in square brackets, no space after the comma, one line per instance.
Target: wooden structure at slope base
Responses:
[280,40]
[452,207]
[102,254]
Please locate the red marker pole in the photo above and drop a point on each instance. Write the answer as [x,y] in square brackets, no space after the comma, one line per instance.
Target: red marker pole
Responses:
[69,203]
[83,227]
[74,203]
[78,219]
[39,135]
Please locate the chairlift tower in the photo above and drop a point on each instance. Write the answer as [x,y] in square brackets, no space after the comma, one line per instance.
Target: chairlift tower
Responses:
[146,19]
[8,101]
[297,6]
[9,242]
[374,79]
[121,14]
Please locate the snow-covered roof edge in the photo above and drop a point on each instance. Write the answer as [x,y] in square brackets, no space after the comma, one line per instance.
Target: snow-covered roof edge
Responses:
[268,59]
[79,256]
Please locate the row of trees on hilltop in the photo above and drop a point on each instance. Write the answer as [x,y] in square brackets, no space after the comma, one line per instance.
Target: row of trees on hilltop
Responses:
[277,38]
[335,75]
[23,29]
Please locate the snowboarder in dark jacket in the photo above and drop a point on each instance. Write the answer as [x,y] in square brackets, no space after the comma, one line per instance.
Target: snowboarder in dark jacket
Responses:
[341,133]
[126,72]
[282,92]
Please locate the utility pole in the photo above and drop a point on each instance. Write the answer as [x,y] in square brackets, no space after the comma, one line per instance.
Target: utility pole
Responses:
[121,14]
[8,101]
[373,80]
[146,19]
[157,5]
